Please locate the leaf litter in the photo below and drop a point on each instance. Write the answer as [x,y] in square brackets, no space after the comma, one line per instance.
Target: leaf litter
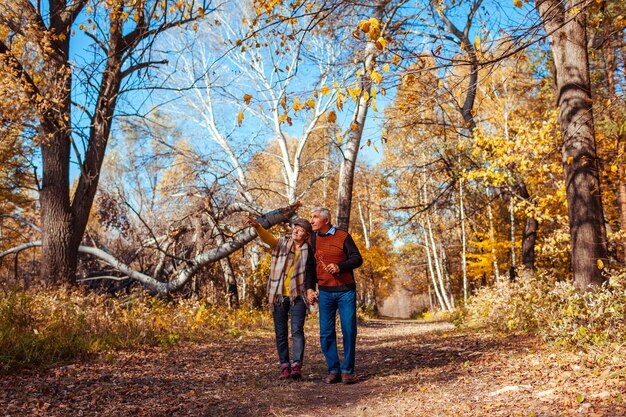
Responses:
[404,368]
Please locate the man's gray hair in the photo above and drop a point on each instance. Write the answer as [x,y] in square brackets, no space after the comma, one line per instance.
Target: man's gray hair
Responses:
[323,211]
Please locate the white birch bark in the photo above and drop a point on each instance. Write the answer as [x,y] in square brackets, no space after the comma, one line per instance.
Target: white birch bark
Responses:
[463,240]
[179,277]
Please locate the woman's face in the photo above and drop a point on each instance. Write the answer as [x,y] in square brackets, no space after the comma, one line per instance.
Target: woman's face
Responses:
[298,234]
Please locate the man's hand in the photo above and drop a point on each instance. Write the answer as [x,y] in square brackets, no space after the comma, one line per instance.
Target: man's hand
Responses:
[311,296]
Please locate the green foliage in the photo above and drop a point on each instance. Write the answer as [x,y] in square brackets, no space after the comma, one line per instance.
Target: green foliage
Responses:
[554,310]
[39,329]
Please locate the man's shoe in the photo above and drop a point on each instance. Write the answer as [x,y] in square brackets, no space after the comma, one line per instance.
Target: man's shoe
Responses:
[347,378]
[285,371]
[332,378]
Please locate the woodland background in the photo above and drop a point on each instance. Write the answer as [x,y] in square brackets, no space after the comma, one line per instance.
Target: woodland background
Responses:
[474,149]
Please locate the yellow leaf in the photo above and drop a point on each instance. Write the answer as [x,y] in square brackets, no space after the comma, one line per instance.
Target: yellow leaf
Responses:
[364,25]
[332,117]
[310,103]
[395,60]
[325,90]
[373,105]
[376,77]
[517,3]
[247,98]
[570,160]
[613,168]
[339,102]
[339,138]
[240,118]
[386,68]
[354,126]
[600,264]
[381,43]
[354,92]
[477,42]
[297,105]
[374,33]
[373,91]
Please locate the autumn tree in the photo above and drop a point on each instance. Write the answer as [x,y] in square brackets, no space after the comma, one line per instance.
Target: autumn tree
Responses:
[566,25]
[122,34]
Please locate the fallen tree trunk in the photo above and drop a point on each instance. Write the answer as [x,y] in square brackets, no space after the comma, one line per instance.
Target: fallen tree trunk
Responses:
[179,277]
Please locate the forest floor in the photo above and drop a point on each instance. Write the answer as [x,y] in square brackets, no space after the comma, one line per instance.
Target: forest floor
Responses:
[405,368]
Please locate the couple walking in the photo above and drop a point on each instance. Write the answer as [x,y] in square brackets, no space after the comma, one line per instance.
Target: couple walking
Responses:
[315,255]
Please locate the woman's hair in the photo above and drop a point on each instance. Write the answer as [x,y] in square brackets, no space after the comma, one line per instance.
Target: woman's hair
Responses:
[323,211]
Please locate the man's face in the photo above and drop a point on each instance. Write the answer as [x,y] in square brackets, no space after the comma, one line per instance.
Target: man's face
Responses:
[317,221]
[298,234]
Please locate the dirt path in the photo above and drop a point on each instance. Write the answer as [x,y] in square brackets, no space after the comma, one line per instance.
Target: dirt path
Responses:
[405,368]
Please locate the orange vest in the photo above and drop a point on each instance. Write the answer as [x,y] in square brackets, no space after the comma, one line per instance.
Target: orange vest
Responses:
[329,250]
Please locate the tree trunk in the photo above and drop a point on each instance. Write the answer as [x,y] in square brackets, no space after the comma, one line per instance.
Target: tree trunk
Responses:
[492,241]
[232,293]
[528,246]
[568,39]
[59,252]
[364,225]
[617,117]
[513,258]
[530,228]
[353,142]
[431,270]
[463,240]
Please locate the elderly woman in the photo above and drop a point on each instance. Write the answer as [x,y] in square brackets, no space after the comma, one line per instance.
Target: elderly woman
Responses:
[292,267]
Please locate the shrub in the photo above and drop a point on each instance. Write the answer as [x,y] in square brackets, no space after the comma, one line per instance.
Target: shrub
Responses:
[552,309]
[44,327]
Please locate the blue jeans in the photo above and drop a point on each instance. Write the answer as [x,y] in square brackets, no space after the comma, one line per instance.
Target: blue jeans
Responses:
[281,328]
[329,303]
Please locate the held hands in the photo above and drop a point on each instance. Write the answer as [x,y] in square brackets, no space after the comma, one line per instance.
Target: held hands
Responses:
[311,296]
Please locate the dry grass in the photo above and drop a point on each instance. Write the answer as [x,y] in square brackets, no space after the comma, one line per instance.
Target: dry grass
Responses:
[40,328]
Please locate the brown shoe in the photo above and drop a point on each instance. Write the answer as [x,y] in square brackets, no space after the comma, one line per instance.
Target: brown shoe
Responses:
[347,378]
[332,378]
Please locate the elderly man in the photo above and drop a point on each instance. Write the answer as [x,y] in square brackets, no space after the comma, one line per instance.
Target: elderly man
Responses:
[337,256]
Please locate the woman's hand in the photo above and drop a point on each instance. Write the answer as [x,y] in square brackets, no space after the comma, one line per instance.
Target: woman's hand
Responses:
[311,296]
[252,221]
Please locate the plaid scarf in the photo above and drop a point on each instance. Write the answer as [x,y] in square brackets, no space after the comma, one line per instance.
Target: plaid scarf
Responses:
[282,259]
